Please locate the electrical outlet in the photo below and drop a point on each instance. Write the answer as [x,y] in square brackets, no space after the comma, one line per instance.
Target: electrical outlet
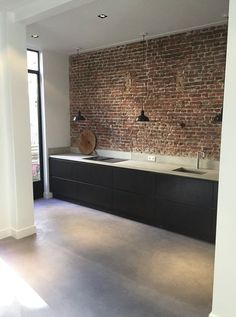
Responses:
[152,158]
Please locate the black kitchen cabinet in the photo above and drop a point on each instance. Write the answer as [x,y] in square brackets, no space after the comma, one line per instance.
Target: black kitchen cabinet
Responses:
[215,194]
[186,219]
[133,193]
[91,173]
[135,181]
[64,189]
[186,205]
[95,196]
[133,205]
[176,203]
[84,183]
[185,190]
[61,168]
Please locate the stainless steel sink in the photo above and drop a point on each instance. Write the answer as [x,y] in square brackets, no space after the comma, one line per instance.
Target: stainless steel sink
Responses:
[104,159]
[97,158]
[189,170]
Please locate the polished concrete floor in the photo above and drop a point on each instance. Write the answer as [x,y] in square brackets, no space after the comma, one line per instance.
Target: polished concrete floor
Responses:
[86,263]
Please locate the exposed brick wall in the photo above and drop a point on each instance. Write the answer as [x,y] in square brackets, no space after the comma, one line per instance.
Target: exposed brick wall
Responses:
[184,76]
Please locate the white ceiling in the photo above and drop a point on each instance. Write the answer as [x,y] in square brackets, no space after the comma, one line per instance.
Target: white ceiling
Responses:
[13,4]
[81,28]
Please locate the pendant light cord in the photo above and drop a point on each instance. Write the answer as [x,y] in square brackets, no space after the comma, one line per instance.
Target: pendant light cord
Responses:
[142,117]
[144,68]
[143,71]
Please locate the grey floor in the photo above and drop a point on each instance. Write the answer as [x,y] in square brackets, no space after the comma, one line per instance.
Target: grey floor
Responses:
[87,263]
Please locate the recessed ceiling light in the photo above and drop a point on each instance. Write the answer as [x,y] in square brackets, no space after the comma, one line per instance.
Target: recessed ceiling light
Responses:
[102,16]
[35,36]
[78,49]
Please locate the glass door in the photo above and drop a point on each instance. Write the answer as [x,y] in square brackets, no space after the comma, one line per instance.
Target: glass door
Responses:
[35,121]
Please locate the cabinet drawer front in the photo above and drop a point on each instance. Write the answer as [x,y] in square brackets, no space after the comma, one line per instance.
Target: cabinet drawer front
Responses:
[195,222]
[64,188]
[185,190]
[132,205]
[134,181]
[60,168]
[215,194]
[92,174]
[95,196]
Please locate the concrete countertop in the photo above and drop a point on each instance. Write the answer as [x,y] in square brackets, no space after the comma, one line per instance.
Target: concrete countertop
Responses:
[163,168]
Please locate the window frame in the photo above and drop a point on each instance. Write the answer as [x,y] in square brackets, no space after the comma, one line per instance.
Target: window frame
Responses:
[38,185]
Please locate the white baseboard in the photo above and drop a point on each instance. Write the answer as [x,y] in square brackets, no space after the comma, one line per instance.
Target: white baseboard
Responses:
[17,234]
[22,233]
[213,315]
[5,233]
[47,195]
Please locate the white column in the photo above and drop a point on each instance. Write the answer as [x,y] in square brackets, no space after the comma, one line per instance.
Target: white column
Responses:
[224,291]
[4,151]
[55,107]
[16,195]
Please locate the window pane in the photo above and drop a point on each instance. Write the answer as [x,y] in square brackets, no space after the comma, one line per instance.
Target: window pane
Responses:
[32,60]
[33,103]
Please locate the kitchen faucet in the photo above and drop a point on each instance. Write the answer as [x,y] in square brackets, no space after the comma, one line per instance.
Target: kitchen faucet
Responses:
[199,155]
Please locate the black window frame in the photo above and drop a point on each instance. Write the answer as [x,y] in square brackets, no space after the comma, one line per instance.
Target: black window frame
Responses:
[38,186]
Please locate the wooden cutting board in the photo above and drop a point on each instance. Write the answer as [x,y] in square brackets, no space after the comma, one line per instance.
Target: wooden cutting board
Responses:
[86,142]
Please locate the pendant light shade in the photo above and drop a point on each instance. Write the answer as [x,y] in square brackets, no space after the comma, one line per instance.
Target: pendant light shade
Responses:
[142,117]
[79,117]
[218,117]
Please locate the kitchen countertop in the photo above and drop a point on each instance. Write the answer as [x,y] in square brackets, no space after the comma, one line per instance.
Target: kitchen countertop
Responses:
[163,168]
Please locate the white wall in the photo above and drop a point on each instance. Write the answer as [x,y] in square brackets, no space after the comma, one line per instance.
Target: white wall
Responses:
[4,157]
[224,291]
[55,106]
[56,98]
[16,194]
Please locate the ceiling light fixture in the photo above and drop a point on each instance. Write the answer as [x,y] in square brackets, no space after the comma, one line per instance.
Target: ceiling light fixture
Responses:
[142,117]
[102,16]
[35,36]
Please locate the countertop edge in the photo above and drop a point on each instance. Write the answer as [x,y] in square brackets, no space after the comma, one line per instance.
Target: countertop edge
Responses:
[161,168]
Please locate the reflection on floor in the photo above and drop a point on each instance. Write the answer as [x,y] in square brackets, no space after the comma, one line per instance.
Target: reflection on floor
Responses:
[86,263]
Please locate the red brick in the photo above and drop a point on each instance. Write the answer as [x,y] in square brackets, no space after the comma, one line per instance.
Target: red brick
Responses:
[185,84]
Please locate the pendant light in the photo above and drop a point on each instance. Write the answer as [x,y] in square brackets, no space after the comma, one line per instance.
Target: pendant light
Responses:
[218,117]
[79,117]
[142,117]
